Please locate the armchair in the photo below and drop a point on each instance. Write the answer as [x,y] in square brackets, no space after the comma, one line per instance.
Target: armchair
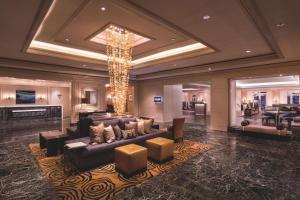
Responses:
[177,129]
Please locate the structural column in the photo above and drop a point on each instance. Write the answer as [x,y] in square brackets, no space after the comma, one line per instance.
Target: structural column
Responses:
[219,103]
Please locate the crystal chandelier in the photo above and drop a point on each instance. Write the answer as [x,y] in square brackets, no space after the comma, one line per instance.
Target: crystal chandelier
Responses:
[119,55]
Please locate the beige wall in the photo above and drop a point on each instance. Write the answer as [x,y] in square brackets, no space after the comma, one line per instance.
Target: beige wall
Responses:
[172,102]
[146,92]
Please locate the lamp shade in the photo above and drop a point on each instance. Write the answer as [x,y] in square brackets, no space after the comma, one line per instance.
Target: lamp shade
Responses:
[83,100]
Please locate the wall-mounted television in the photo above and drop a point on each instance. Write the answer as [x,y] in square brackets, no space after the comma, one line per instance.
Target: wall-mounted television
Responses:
[158,99]
[25,97]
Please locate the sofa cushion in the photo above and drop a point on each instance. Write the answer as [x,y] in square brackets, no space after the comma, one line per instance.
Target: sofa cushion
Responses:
[123,121]
[84,127]
[96,134]
[73,132]
[140,127]
[109,134]
[118,132]
[107,122]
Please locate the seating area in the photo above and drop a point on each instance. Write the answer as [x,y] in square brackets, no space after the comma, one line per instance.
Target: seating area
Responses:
[125,131]
[278,120]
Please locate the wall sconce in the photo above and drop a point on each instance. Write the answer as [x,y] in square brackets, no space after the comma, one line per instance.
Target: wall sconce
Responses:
[42,98]
[9,97]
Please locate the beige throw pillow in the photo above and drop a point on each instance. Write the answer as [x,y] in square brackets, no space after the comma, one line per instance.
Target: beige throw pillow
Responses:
[96,134]
[109,134]
[140,127]
[148,125]
[134,125]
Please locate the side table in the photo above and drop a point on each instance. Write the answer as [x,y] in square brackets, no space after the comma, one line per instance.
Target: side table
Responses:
[54,142]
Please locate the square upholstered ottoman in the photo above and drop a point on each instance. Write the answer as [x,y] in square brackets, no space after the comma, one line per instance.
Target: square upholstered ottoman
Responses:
[160,149]
[131,159]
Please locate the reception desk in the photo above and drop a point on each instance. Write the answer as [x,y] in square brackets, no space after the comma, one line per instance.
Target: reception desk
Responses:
[200,109]
[10,113]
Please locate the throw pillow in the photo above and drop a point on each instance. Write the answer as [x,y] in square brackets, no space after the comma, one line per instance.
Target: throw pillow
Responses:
[140,127]
[132,125]
[96,134]
[127,134]
[109,134]
[148,125]
[118,132]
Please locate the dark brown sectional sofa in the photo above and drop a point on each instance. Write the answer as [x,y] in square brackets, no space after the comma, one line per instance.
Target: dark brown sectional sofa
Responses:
[93,156]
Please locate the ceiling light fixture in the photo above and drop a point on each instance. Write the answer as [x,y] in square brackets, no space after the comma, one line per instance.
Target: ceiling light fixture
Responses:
[209,69]
[280,75]
[35,44]
[168,53]
[248,51]
[67,50]
[173,39]
[206,17]
[103,9]
[119,55]
[84,65]
[67,40]
[267,83]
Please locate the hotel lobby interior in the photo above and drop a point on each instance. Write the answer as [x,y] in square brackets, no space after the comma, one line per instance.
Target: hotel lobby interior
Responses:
[149,99]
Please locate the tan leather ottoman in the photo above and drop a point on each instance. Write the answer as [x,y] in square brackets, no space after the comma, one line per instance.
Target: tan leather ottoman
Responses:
[131,159]
[160,149]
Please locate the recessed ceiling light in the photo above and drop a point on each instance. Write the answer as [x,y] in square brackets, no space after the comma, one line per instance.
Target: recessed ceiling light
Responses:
[206,17]
[173,39]
[107,85]
[103,9]
[67,40]
[209,69]
[280,75]
[279,25]
[248,51]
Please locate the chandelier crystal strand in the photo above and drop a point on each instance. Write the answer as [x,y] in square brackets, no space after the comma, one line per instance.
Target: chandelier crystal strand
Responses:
[119,54]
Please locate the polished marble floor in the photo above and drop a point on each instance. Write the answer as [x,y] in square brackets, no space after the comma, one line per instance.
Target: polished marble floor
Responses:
[239,167]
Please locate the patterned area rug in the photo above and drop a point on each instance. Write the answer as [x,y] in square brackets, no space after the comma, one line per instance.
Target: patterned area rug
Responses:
[105,182]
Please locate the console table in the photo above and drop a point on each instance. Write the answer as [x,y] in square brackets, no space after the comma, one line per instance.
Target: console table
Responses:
[30,112]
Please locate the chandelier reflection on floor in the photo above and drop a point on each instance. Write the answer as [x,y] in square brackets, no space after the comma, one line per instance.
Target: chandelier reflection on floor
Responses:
[119,53]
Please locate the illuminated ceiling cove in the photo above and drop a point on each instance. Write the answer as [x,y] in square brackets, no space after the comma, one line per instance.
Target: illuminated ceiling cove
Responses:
[65,41]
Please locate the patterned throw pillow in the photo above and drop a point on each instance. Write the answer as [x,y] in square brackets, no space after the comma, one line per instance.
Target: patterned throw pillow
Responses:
[131,125]
[96,134]
[118,132]
[127,134]
[109,134]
